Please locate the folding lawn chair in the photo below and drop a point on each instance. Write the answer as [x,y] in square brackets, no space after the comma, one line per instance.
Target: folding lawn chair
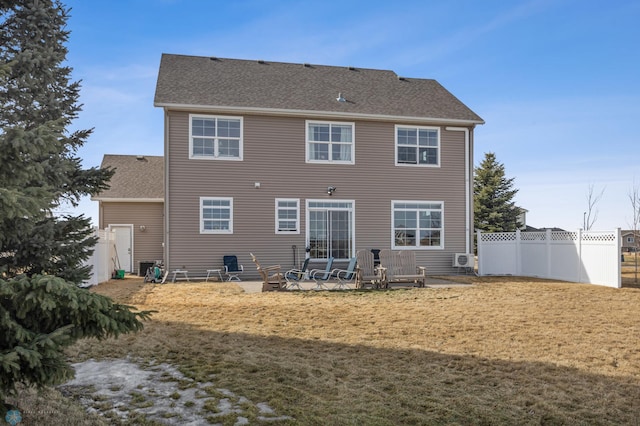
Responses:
[345,276]
[320,276]
[295,276]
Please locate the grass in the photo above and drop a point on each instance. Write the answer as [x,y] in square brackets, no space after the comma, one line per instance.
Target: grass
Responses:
[503,351]
[631,276]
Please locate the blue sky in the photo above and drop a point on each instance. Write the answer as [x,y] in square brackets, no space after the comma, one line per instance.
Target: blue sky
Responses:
[557,81]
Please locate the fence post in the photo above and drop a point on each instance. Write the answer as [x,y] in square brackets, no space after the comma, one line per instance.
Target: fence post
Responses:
[618,245]
[579,265]
[548,248]
[518,254]
[479,248]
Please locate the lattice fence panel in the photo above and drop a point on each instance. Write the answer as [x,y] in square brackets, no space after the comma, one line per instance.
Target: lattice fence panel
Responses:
[498,236]
[533,236]
[564,236]
[599,236]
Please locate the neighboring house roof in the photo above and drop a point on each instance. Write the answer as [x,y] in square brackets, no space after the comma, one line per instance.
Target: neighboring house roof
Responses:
[189,82]
[552,229]
[137,178]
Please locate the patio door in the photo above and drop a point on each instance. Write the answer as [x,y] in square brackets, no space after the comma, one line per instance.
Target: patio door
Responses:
[330,229]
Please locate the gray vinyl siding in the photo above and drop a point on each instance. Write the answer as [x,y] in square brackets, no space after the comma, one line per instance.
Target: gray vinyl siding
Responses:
[274,155]
[147,244]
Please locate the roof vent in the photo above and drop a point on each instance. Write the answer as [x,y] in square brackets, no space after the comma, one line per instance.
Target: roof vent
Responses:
[213,58]
[140,157]
[352,68]
[402,78]
[260,61]
[340,98]
[306,65]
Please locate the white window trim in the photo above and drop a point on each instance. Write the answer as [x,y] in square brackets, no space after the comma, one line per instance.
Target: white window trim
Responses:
[416,247]
[217,231]
[351,209]
[208,157]
[408,126]
[330,161]
[297,230]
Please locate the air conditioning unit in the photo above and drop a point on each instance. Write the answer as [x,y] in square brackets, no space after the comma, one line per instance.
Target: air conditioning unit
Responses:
[463,260]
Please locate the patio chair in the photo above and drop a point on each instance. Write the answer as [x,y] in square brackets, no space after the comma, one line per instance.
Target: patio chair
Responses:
[231,268]
[295,276]
[322,275]
[366,269]
[400,267]
[345,276]
[409,271]
[272,278]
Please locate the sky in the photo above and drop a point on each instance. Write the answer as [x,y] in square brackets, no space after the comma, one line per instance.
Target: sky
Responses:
[556,81]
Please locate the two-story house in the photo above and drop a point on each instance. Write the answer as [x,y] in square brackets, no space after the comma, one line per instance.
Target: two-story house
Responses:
[290,160]
[630,240]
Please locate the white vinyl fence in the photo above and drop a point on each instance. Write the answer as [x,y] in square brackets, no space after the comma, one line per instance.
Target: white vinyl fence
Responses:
[584,256]
[101,258]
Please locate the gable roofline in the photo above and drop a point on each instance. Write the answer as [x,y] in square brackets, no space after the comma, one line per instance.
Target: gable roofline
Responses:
[312,114]
[264,87]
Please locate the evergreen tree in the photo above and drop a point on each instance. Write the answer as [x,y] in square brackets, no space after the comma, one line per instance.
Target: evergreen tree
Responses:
[42,309]
[494,209]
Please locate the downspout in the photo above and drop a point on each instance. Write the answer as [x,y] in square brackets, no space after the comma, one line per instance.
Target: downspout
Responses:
[166,190]
[294,248]
[468,153]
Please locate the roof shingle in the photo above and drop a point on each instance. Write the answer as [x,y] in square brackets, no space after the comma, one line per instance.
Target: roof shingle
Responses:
[193,81]
[137,177]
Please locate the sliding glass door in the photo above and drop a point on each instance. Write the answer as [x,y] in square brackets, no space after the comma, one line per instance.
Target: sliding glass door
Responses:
[330,229]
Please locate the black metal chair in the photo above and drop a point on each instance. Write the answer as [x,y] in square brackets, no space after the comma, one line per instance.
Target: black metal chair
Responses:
[231,268]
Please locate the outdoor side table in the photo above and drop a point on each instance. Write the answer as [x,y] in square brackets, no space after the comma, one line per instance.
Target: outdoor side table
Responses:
[180,271]
[214,271]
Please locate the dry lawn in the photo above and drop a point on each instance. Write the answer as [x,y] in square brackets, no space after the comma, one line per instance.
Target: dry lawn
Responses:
[631,275]
[503,351]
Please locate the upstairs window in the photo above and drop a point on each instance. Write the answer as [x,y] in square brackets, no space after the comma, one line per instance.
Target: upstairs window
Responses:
[217,138]
[417,224]
[287,216]
[330,142]
[418,146]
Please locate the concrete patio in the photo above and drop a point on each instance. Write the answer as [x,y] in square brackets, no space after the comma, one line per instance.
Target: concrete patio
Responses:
[256,286]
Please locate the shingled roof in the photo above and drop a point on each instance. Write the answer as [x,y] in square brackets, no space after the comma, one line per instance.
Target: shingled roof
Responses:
[137,178]
[192,82]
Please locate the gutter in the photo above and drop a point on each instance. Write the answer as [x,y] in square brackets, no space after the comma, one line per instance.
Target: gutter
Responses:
[314,114]
[128,200]
[165,243]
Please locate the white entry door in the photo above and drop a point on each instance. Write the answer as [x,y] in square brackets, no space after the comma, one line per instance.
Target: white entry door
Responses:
[124,246]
